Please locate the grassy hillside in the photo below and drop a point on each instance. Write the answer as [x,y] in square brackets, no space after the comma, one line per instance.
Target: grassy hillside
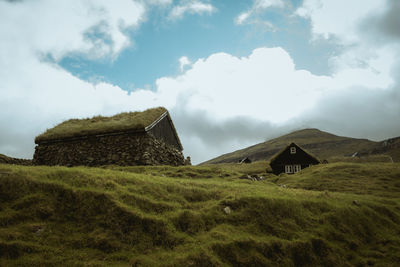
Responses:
[200,216]
[366,179]
[322,144]
[10,160]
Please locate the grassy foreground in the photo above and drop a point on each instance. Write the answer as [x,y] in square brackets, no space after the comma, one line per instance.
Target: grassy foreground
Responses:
[200,216]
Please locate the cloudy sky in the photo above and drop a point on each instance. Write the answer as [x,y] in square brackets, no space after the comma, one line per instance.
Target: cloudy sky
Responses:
[231,73]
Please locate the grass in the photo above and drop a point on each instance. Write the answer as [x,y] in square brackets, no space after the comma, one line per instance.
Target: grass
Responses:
[174,216]
[367,179]
[99,124]
[9,160]
[364,159]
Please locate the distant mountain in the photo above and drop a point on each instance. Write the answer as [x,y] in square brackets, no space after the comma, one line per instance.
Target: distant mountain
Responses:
[322,144]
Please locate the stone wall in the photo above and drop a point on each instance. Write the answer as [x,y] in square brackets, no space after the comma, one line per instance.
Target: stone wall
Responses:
[124,149]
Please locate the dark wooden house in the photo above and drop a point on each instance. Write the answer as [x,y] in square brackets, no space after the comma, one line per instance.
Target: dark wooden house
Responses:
[292,159]
[132,138]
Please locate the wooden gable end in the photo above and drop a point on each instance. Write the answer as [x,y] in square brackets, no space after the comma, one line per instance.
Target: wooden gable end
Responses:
[163,129]
[292,155]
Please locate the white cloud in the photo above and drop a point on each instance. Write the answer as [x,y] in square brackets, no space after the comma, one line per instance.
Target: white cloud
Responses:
[338,18]
[184,62]
[258,6]
[256,86]
[242,18]
[158,2]
[63,28]
[341,22]
[264,4]
[191,7]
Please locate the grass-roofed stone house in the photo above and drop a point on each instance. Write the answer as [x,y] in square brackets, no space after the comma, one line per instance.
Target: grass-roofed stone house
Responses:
[292,159]
[131,138]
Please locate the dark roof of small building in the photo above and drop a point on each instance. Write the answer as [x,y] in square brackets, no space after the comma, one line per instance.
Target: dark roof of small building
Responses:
[123,122]
[245,160]
[289,145]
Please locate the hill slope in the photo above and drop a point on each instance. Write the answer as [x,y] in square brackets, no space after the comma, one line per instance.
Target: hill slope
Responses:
[197,216]
[9,160]
[322,144]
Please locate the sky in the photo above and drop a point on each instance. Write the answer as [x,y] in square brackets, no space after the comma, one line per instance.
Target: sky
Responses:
[231,73]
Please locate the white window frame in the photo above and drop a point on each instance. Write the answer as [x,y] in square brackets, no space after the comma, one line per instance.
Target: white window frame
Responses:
[292,150]
[292,168]
[288,168]
[296,168]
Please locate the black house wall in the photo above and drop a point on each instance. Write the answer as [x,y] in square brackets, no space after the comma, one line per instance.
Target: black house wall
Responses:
[286,158]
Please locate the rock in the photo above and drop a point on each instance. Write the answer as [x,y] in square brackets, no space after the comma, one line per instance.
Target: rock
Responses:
[227,210]
[254,177]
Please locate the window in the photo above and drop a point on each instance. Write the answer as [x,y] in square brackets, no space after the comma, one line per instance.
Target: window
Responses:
[288,168]
[293,150]
[297,168]
[292,168]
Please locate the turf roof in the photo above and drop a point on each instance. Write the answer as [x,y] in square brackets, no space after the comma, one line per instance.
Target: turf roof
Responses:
[99,125]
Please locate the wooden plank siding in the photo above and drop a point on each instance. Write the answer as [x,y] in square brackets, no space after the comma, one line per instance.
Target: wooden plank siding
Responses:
[165,131]
[286,158]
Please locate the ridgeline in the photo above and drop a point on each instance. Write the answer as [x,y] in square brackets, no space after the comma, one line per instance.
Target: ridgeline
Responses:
[322,144]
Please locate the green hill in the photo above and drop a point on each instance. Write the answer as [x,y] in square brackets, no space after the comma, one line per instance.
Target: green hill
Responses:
[9,160]
[322,144]
[200,216]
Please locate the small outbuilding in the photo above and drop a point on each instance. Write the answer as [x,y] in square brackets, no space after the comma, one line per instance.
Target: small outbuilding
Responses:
[292,159]
[245,160]
[130,138]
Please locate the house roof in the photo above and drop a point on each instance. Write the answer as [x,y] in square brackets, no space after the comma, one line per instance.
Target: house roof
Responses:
[123,122]
[286,147]
[246,159]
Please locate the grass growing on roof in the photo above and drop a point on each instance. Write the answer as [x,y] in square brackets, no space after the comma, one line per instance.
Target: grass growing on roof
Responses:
[174,216]
[99,124]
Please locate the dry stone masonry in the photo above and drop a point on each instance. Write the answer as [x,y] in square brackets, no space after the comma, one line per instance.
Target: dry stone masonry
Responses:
[124,149]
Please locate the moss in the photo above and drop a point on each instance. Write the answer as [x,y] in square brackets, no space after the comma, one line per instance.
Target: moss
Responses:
[99,124]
